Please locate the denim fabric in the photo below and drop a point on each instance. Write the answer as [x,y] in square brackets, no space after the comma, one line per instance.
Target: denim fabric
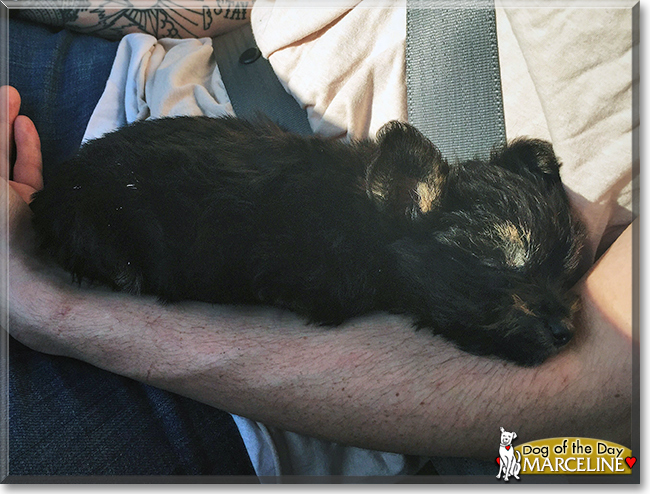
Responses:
[67,417]
[60,76]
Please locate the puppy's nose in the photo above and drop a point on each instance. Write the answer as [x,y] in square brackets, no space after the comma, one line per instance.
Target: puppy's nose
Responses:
[561,333]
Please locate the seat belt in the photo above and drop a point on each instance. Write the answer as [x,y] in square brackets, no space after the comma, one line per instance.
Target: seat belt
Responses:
[252,86]
[454,97]
[453,79]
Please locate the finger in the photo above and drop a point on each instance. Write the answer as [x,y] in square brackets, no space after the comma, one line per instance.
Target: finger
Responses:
[9,107]
[12,198]
[24,191]
[28,169]
[10,104]
[20,232]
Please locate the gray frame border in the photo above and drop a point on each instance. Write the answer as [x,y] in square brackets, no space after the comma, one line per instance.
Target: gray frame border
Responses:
[6,5]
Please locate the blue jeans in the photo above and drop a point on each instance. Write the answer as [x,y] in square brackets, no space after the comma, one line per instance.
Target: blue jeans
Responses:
[60,77]
[67,417]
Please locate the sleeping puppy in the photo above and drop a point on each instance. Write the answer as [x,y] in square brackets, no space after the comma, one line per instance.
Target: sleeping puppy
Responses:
[230,211]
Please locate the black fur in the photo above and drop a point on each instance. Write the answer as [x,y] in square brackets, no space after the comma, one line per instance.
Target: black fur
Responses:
[228,211]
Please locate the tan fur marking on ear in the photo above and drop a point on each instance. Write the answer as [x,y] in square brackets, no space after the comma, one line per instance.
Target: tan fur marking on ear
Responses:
[429,193]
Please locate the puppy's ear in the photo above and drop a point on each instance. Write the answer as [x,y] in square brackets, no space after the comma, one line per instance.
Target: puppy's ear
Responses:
[502,429]
[514,436]
[532,158]
[407,173]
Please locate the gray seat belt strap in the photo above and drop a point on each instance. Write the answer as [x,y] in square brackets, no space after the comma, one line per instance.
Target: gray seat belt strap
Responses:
[452,76]
[252,86]
[454,97]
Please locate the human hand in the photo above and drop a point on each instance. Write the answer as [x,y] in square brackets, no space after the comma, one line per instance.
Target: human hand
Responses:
[35,286]
[19,132]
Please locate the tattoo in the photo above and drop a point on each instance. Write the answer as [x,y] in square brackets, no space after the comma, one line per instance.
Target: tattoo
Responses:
[114,18]
[55,13]
[233,10]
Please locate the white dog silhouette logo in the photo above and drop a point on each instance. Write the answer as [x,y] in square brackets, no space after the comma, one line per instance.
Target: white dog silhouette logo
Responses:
[509,465]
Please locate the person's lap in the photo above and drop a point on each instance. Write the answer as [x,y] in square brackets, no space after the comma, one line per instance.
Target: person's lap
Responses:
[60,76]
[67,417]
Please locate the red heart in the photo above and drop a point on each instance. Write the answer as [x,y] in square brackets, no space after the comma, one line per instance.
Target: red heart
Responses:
[507,448]
[630,460]
[498,461]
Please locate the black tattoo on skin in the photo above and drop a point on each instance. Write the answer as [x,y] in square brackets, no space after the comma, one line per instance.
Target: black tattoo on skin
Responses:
[54,13]
[114,18]
[233,10]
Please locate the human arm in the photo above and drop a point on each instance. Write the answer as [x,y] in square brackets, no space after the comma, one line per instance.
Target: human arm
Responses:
[206,18]
[374,382]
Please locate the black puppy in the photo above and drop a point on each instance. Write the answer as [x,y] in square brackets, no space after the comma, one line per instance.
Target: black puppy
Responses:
[228,211]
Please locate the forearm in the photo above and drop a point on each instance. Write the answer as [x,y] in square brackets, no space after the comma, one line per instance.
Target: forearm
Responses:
[375,382]
[205,18]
